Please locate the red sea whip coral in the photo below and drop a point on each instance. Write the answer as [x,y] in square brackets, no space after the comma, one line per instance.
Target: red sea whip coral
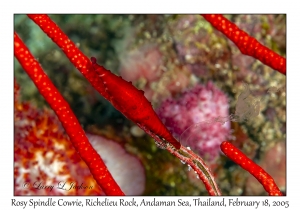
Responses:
[96,74]
[131,102]
[44,156]
[274,162]
[261,175]
[46,163]
[75,56]
[67,118]
[200,104]
[247,44]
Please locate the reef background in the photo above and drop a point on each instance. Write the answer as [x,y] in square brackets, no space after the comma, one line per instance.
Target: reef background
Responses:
[185,50]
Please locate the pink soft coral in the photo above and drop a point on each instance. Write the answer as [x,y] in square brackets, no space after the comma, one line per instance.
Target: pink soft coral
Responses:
[196,112]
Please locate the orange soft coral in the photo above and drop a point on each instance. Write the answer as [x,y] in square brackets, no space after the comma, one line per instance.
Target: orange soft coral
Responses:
[45,162]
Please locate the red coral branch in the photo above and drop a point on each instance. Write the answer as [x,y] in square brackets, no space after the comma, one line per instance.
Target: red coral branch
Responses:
[122,97]
[133,104]
[242,160]
[67,118]
[104,82]
[123,101]
[247,44]
[76,57]
[197,163]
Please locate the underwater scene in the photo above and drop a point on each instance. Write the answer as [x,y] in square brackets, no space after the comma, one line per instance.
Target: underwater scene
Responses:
[185,92]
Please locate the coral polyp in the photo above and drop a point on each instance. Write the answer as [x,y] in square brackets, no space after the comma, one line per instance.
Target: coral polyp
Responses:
[193,113]
[46,163]
[44,155]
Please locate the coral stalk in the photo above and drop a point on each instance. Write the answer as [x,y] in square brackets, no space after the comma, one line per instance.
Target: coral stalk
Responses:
[76,57]
[67,118]
[84,65]
[104,82]
[96,77]
[242,160]
[186,155]
[133,103]
[247,44]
